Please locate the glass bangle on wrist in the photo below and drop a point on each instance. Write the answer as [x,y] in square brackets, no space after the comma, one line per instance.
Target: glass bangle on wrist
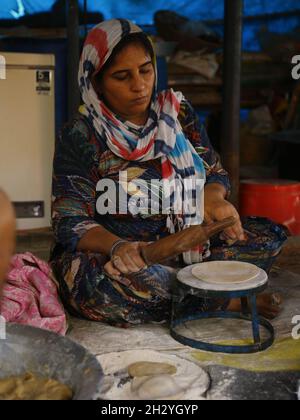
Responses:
[116,245]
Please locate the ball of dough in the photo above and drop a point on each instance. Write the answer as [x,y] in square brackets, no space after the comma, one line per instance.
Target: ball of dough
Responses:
[140,369]
[159,387]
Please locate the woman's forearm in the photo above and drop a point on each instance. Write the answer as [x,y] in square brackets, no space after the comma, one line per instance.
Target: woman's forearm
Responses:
[98,240]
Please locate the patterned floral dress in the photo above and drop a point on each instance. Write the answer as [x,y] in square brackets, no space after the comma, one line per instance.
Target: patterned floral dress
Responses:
[81,160]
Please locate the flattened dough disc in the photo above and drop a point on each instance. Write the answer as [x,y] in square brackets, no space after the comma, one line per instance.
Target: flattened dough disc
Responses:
[225,272]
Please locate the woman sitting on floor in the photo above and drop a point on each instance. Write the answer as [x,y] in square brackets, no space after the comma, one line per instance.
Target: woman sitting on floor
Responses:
[126,127]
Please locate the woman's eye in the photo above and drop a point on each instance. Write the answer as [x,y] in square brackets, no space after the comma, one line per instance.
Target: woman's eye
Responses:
[146,71]
[121,78]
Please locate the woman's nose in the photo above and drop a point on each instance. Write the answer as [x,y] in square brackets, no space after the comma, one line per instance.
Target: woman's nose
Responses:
[137,84]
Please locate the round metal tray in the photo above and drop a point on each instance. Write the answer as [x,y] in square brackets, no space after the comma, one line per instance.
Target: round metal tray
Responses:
[28,349]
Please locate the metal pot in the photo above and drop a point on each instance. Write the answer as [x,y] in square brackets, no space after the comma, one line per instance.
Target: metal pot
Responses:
[28,349]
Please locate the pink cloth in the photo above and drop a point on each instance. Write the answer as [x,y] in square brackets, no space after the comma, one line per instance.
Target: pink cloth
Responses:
[30,295]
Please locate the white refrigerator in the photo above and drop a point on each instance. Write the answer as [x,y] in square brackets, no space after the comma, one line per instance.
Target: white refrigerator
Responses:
[27,135]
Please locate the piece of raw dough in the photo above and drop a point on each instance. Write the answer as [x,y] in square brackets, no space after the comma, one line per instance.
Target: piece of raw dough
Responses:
[31,387]
[159,387]
[140,369]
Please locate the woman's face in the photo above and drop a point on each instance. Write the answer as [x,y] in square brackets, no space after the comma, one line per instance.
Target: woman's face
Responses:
[128,84]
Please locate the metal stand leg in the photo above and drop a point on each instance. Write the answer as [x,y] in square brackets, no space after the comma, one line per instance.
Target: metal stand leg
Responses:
[255,320]
[245,306]
[248,299]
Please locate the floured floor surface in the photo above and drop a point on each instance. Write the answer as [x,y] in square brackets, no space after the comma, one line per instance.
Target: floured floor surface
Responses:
[272,374]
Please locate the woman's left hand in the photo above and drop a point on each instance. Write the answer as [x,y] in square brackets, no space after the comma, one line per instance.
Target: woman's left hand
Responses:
[217,208]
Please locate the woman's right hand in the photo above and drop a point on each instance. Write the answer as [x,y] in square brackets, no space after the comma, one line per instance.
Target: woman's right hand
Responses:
[127,259]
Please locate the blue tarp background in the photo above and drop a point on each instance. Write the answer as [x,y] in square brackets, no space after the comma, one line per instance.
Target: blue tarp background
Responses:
[141,11]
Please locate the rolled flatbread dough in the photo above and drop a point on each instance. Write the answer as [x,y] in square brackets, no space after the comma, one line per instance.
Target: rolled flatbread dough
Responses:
[225,272]
[140,369]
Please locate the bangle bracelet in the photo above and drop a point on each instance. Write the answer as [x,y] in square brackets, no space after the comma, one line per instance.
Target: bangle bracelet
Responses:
[116,245]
